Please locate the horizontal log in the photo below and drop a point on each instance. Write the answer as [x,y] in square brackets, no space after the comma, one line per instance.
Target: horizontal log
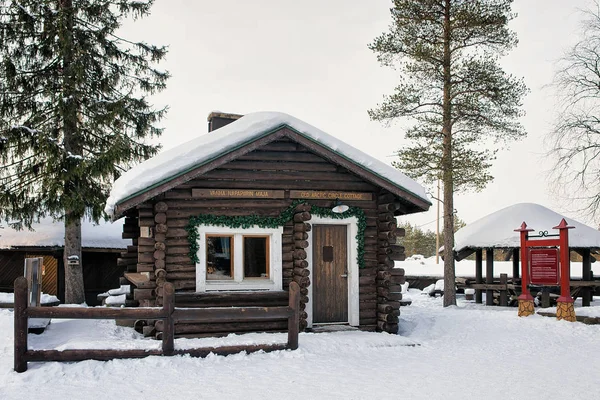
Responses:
[383,283]
[397,271]
[388,207]
[302,227]
[225,327]
[217,315]
[400,232]
[300,254]
[386,226]
[368,271]
[303,207]
[281,175]
[366,280]
[144,267]
[160,264]
[397,256]
[385,308]
[301,244]
[123,262]
[300,264]
[143,294]
[368,324]
[160,237]
[384,250]
[180,275]
[161,207]
[300,236]
[384,275]
[386,297]
[146,222]
[303,281]
[174,250]
[94,313]
[146,241]
[180,267]
[367,313]
[145,258]
[160,218]
[161,246]
[398,279]
[82,355]
[386,198]
[302,272]
[302,216]
[159,255]
[161,228]
[387,327]
[231,299]
[178,259]
[391,318]
[389,236]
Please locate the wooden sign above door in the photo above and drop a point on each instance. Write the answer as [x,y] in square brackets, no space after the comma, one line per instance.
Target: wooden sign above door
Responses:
[330,195]
[238,194]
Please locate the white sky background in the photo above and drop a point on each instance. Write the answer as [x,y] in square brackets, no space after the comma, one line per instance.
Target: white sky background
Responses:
[310,59]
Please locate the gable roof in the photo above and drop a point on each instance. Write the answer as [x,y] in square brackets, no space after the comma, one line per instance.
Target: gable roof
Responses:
[135,186]
[498,228]
[49,233]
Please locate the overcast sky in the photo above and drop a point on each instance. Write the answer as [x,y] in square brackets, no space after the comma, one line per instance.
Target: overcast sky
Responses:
[310,59]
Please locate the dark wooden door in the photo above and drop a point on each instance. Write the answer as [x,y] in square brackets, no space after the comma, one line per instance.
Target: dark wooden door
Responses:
[330,274]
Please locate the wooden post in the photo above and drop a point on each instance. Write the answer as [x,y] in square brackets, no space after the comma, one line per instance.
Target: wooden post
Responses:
[565,308]
[586,275]
[478,274]
[516,265]
[489,275]
[525,298]
[20,318]
[168,344]
[504,292]
[294,319]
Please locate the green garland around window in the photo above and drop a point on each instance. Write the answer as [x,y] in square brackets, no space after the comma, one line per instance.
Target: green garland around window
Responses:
[249,221]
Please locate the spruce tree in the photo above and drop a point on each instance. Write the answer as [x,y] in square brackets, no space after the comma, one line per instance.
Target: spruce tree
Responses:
[457,101]
[73,111]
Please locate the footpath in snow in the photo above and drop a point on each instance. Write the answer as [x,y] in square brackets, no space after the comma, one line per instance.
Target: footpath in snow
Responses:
[463,352]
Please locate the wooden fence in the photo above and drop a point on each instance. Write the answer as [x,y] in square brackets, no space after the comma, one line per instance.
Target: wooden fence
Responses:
[168,313]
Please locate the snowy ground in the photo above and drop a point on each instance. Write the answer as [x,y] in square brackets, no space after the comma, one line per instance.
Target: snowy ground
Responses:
[463,352]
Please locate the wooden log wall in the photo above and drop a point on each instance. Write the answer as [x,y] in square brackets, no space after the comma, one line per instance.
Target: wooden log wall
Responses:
[131,230]
[299,264]
[388,279]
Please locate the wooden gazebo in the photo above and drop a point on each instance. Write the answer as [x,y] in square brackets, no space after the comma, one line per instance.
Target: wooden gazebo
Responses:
[496,232]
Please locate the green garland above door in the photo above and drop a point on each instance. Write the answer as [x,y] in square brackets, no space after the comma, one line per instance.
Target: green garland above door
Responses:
[248,221]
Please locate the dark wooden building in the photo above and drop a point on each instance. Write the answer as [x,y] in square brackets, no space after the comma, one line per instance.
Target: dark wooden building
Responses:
[235,215]
[102,246]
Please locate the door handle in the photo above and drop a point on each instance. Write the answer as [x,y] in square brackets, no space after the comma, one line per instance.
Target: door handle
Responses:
[344,275]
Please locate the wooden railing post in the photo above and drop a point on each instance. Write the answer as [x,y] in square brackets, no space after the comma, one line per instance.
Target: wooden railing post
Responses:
[294,319]
[20,315]
[168,344]
[504,290]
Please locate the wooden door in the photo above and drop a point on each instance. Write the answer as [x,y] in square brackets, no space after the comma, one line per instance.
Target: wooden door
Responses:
[330,274]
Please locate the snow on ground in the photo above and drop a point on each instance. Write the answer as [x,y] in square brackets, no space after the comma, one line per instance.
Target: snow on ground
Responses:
[417,266]
[44,298]
[463,352]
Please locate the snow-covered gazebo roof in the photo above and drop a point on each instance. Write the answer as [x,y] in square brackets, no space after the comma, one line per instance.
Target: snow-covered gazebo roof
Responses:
[173,163]
[48,233]
[497,230]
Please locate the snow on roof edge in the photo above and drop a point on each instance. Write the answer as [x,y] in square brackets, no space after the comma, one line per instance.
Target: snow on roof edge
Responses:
[247,129]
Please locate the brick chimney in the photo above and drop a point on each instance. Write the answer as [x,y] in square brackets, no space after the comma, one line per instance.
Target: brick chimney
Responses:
[217,119]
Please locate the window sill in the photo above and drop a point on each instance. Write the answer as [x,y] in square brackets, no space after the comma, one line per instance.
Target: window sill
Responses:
[248,284]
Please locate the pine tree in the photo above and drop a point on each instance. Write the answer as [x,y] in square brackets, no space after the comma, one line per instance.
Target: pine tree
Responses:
[73,111]
[454,93]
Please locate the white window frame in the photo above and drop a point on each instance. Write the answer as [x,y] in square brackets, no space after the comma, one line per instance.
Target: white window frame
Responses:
[353,273]
[273,282]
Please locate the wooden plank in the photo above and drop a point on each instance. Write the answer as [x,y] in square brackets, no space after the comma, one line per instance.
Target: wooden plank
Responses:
[281,166]
[330,195]
[82,355]
[95,313]
[139,280]
[238,193]
[220,314]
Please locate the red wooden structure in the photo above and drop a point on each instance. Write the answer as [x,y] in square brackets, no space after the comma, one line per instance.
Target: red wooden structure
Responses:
[565,308]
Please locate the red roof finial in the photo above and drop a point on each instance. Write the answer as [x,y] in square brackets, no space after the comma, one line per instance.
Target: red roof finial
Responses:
[563,225]
[523,228]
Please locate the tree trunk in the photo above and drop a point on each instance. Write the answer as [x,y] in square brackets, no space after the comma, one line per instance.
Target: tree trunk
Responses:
[447,169]
[74,292]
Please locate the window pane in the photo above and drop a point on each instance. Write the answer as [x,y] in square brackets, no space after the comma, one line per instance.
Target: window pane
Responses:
[219,257]
[256,264]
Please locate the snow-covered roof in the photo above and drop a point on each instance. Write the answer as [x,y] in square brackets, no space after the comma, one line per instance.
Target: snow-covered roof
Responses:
[201,150]
[48,233]
[498,229]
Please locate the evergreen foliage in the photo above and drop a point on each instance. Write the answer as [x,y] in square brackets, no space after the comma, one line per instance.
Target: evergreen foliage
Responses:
[459,103]
[73,111]
[73,114]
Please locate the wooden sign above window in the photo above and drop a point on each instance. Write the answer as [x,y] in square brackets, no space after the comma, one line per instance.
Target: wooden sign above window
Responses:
[238,194]
[324,194]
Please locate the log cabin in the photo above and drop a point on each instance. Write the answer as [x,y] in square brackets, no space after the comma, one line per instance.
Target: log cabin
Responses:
[261,200]
[102,245]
